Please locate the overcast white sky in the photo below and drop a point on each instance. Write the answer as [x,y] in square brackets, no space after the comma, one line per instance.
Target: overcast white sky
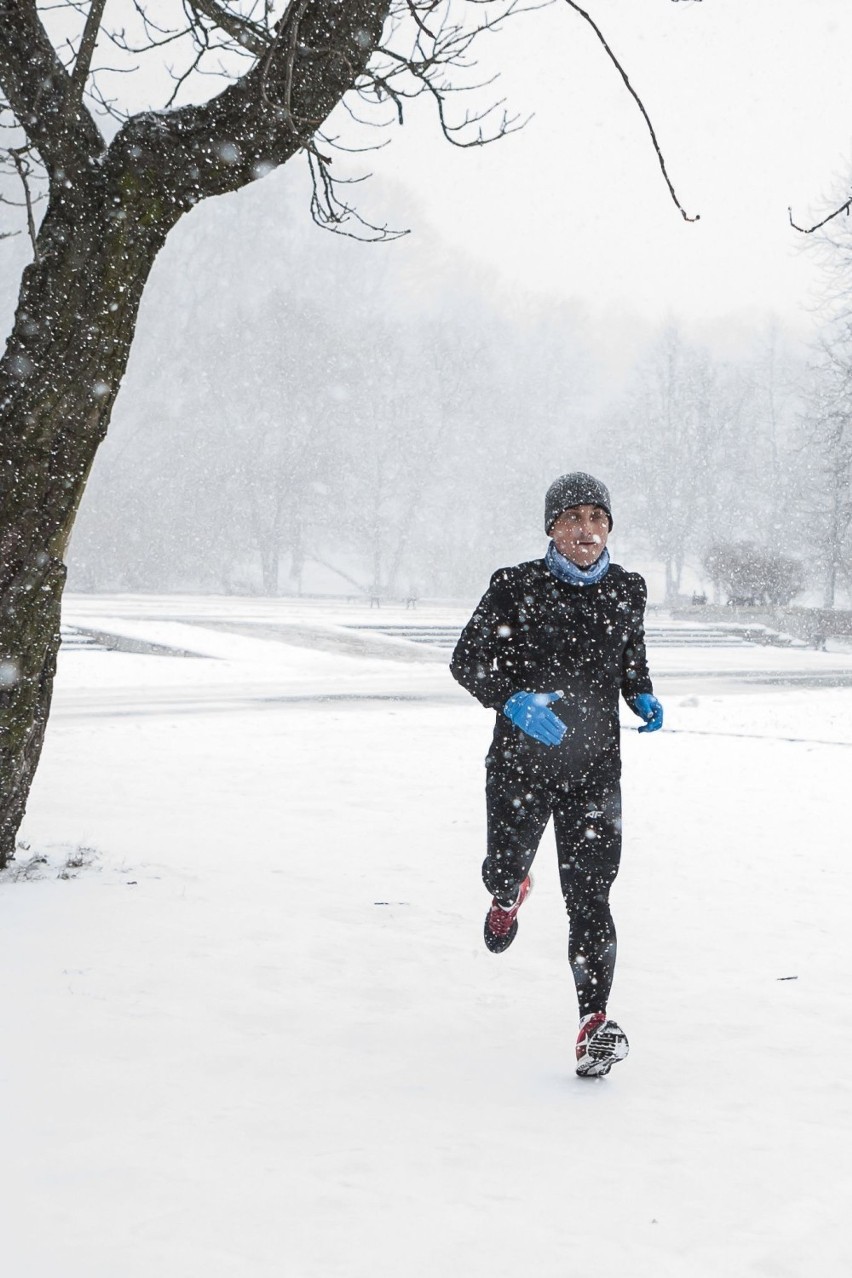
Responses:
[752,104]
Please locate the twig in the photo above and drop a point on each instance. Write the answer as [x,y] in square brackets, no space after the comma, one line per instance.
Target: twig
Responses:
[639,103]
[412,9]
[246,32]
[809,230]
[290,64]
[289,26]
[23,174]
[331,213]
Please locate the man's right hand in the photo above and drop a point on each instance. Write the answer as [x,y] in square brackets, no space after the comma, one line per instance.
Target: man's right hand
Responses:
[530,712]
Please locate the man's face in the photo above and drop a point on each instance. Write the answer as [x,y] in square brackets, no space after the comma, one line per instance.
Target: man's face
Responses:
[580,534]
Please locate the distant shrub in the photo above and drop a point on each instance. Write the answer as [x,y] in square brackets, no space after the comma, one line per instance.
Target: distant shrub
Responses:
[753,577]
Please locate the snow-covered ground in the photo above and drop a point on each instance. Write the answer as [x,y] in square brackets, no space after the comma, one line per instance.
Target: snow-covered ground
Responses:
[250,1027]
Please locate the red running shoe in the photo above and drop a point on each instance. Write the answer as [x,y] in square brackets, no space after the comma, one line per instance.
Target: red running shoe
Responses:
[501,921]
[600,1045]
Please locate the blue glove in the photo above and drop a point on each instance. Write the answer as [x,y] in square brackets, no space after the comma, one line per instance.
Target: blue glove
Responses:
[649,709]
[529,712]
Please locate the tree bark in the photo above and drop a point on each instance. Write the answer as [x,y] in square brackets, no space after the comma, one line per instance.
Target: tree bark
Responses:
[109,213]
[59,377]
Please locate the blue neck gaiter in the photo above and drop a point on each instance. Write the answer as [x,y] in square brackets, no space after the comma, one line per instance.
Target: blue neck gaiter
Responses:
[565,570]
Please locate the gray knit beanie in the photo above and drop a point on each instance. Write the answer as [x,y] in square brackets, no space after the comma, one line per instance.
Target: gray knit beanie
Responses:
[576,489]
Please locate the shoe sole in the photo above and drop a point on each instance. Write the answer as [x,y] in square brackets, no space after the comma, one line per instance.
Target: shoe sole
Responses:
[606,1047]
[497,944]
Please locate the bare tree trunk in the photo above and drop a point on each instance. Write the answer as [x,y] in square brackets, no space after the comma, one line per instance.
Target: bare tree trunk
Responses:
[834,539]
[58,379]
[298,553]
[29,640]
[829,586]
[109,213]
[269,560]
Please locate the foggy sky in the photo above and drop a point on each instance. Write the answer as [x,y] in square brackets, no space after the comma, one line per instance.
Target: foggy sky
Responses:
[752,105]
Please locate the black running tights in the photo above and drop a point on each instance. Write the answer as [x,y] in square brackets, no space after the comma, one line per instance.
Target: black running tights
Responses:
[587,823]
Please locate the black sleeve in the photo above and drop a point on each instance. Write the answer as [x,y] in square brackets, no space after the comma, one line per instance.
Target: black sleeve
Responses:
[635,677]
[487,635]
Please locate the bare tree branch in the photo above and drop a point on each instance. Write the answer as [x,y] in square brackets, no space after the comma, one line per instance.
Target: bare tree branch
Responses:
[245,32]
[331,213]
[588,18]
[37,88]
[443,46]
[809,230]
[80,74]
[413,10]
[288,32]
[265,116]
[23,173]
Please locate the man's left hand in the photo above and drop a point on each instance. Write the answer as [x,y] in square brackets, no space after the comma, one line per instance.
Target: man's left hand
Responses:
[648,708]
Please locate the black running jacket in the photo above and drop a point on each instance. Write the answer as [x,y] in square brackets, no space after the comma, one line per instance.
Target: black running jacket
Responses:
[532,632]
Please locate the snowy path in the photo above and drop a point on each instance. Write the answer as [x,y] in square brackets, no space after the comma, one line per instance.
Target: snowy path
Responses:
[259,1034]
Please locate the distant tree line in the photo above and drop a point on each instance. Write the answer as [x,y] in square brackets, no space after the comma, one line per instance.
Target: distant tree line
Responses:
[399,440]
[708,451]
[326,407]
